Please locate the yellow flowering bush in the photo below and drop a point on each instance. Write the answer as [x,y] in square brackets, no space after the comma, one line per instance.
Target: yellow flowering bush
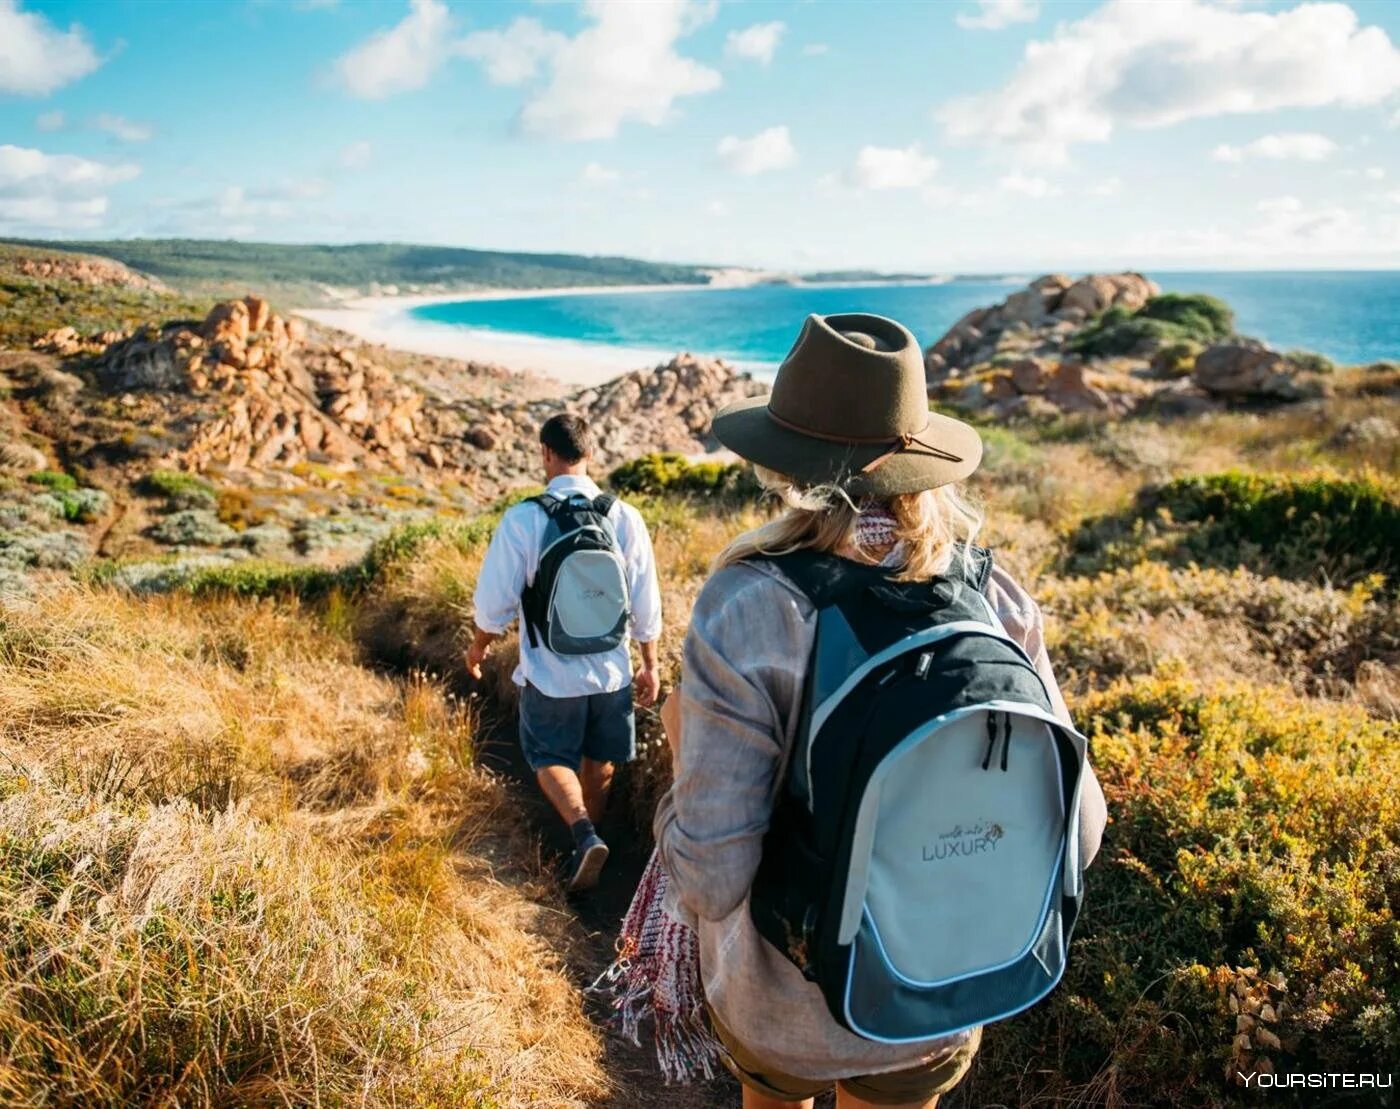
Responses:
[1242,911]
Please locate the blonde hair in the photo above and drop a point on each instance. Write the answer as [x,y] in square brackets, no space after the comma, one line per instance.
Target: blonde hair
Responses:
[929,525]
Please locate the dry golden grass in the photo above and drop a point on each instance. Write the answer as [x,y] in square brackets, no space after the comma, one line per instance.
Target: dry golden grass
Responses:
[236,867]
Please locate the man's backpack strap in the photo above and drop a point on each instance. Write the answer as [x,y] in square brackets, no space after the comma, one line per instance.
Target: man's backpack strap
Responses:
[603,504]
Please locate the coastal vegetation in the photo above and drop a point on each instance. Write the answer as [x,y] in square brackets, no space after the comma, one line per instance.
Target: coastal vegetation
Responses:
[248,851]
[1163,319]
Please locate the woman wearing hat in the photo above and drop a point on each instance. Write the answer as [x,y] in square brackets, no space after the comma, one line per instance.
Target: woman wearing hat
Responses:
[866,472]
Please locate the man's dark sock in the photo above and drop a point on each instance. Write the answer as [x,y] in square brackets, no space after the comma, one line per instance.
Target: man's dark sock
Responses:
[582,829]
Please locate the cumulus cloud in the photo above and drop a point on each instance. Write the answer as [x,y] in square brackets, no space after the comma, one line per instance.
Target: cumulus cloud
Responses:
[1027,185]
[622,67]
[757,43]
[514,55]
[595,174]
[766,151]
[56,191]
[35,57]
[1151,65]
[1301,146]
[888,167]
[122,128]
[993,15]
[402,58]
[356,155]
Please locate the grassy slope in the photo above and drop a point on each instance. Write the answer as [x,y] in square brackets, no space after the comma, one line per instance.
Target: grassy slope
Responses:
[30,306]
[286,270]
[236,867]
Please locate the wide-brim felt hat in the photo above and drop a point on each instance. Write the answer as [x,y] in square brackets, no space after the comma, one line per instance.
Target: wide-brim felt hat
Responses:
[849,407]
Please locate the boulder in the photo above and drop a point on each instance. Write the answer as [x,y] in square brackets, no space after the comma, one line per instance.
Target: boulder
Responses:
[1244,368]
[1029,375]
[1069,390]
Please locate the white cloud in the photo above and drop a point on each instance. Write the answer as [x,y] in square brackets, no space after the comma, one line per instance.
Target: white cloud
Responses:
[768,150]
[1280,205]
[55,191]
[595,174]
[1300,146]
[887,167]
[816,49]
[717,208]
[270,202]
[356,155]
[1393,197]
[993,15]
[1374,173]
[1109,186]
[757,43]
[35,57]
[514,55]
[125,129]
[402,58]
[1027,185]
[51,121]
[624,66]
[1150,65]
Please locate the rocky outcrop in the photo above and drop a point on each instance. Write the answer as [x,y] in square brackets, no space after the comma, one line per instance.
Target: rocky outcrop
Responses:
[86,271]
[281,400]
[668,407]
[1034,322]
[68,342]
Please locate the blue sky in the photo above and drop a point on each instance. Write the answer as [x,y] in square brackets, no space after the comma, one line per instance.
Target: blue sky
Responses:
[972,135]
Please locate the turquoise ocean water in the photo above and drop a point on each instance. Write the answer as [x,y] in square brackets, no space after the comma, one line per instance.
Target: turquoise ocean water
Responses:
[1352,317]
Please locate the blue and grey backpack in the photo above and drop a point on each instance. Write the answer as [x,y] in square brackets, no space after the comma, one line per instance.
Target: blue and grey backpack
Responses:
[577,603]
[922,864]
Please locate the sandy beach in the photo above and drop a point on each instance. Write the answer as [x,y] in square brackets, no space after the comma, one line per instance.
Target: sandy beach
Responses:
[386,320]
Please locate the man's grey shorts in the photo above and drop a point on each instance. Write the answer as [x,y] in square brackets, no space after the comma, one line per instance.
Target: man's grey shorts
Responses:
[563,731]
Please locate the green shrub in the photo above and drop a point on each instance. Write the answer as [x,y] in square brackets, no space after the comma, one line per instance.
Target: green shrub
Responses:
[1356,522]
[1307,361]
[75,506]
[1206,317]
[1164,319]
[54,480]
[666,472]
[180,490]
[1298,527]
[1252,860]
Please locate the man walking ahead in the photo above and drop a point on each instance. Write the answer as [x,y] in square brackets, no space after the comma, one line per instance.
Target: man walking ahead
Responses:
[577,567]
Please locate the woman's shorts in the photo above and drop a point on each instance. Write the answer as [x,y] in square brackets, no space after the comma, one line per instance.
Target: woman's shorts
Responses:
[902,1087]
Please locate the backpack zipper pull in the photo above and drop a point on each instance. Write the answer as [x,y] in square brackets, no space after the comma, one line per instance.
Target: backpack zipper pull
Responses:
[921,669]
[991,739]
[1005,740]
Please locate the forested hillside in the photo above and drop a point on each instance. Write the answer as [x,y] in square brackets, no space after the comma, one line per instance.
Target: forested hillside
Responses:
[303,271]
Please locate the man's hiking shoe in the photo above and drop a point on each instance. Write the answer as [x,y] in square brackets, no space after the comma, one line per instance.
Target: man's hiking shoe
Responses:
[586,865]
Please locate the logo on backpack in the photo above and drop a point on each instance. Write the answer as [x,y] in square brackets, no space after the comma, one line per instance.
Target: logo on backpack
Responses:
[885,877]
[964,841]
[577,603]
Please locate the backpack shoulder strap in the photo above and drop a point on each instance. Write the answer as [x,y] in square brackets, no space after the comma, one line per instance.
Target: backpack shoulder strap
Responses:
[977,565]
[824,578]
[603,504]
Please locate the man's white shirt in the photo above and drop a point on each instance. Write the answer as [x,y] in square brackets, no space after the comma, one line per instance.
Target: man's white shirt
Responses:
[510,565]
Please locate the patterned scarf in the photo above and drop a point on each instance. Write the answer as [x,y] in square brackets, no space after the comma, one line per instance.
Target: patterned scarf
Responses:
[657,974]
[874,527]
